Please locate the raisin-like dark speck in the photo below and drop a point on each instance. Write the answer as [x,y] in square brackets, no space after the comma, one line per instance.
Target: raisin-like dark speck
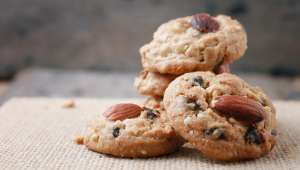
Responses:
[116,132]
[252,136]
[222,135]
[214,133]
[208,132]
[151,114]
[198,81]
[192,104]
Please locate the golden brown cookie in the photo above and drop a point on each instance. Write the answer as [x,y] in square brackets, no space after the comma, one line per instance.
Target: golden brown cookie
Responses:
[194,43]
[144,134]
[221,115]
[152,84]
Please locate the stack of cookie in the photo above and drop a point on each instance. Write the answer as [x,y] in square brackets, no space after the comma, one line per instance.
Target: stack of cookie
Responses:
[192,97]
[196,43]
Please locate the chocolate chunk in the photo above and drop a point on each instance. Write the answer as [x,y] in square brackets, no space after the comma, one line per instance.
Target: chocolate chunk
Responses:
[204,23]
[252,136]
[214,133]
[192,104]
[198,81]
[151,114]
[116,132]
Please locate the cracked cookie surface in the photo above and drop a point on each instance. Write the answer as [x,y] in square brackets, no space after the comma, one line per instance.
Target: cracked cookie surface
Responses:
[179,47]
[152,84]
[146,135]
[194,109]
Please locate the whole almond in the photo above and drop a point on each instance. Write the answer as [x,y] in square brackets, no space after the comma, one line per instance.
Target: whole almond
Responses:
[122,111]
[240,108]
[204,23]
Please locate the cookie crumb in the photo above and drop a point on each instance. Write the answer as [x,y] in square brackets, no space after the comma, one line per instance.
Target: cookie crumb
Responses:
[79,140]
[69,104]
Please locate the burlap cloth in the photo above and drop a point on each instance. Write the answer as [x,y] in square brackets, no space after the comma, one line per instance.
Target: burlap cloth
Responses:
[38,133]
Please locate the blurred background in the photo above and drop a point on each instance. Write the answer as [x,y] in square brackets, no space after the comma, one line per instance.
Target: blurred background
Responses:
[84,48]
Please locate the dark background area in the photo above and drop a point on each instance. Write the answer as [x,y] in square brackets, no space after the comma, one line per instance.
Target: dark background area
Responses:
[106,35]
[83,48]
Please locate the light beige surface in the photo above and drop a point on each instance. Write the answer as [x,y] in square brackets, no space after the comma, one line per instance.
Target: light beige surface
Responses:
[37,133]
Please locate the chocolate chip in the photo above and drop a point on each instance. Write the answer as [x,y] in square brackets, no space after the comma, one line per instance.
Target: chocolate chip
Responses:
[198,81]
[192,104]
[215,133]
[116,132]
[204,23]
[151,114]
[252,136]
[274,132]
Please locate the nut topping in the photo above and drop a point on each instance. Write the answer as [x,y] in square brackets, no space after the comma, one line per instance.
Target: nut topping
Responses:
[240,108]
[122,111]
[204,23]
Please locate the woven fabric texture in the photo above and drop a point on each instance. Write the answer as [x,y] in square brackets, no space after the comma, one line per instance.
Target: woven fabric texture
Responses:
[38,133]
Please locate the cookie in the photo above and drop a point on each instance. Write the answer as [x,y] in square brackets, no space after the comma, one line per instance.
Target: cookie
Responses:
[128,130]
[194,43]
[152,84]
[221,115]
